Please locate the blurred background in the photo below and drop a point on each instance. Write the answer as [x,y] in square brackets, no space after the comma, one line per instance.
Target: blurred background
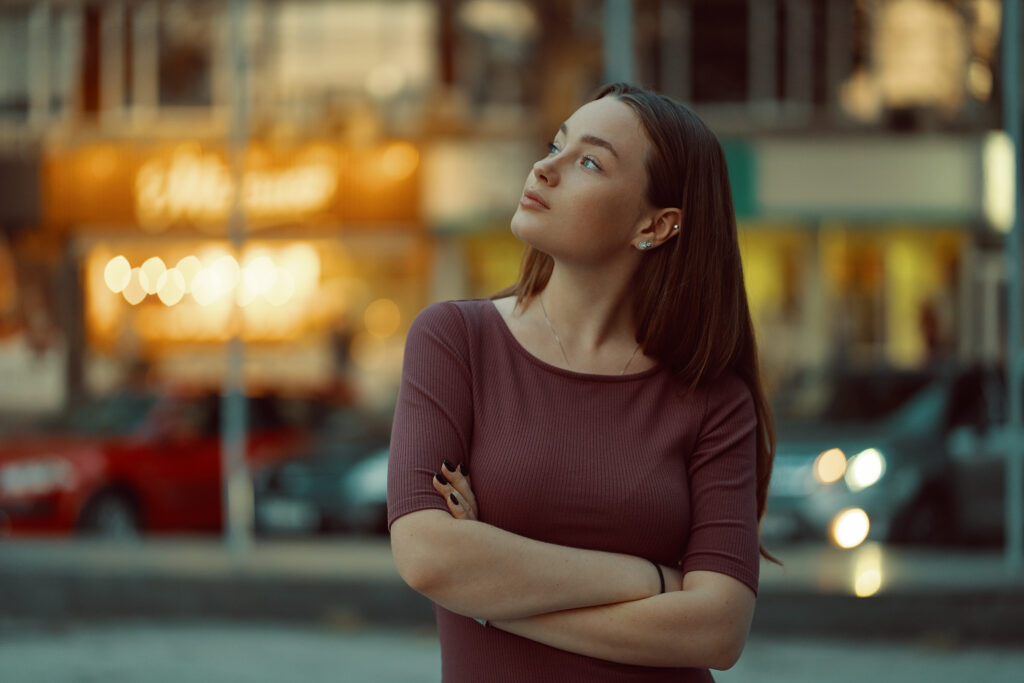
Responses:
[218,220]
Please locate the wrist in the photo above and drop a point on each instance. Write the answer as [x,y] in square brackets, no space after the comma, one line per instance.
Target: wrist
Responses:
[661,577]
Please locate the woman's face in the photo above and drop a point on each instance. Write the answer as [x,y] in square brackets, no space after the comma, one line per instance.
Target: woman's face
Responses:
[585,201]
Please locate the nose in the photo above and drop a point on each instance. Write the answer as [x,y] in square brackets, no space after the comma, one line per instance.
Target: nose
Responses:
[546,171]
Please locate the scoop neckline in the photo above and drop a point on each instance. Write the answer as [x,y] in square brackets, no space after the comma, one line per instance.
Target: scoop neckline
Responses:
[565,372]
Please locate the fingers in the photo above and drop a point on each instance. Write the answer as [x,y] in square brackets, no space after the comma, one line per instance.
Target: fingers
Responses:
[458,477]
[459,505]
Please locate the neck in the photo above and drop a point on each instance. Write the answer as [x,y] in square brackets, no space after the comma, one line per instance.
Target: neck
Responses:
[591,309]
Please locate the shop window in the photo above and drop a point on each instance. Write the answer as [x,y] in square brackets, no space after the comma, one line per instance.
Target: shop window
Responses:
[720,49]
[40,51]
[185,54]
[14,56]
[385,51]
[496,45]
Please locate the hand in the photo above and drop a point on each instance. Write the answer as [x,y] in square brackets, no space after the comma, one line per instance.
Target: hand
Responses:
[452,482]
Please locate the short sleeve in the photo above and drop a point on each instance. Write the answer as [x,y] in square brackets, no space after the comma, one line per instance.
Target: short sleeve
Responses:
[723,480]
[434,412]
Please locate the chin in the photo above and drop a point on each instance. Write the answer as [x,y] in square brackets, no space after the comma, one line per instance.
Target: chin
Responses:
[521,228]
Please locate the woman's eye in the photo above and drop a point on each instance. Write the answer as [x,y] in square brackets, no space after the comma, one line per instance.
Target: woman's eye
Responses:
[591,163]
[552,148]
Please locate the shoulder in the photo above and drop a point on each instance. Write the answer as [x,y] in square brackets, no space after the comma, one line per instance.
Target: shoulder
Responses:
[727,394]
[452,321]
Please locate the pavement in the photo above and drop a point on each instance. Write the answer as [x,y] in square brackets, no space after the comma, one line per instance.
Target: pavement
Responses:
[871,592]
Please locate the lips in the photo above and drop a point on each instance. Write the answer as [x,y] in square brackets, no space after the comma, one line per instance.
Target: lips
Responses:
[535,198]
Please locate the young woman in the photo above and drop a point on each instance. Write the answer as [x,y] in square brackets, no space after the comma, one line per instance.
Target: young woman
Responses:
[610,410]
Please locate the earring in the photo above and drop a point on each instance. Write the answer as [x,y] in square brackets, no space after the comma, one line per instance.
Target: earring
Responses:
[644,245]
[675,227]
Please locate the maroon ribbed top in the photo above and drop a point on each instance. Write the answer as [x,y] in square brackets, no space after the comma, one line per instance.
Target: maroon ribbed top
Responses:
[630,464]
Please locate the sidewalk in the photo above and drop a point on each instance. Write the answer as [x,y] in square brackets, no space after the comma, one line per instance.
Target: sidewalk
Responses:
[943,595]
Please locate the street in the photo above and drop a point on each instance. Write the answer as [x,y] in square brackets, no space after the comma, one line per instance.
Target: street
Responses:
[178,652]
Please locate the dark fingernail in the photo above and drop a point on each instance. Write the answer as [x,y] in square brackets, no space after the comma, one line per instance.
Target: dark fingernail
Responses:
[454,499]
[464,469]
[449,466]
[441,478]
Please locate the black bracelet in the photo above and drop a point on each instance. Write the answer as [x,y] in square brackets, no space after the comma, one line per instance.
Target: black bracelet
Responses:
[661,576]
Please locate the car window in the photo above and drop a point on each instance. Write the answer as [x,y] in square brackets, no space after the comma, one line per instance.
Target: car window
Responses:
[847,398]
[117,414]
[968,406]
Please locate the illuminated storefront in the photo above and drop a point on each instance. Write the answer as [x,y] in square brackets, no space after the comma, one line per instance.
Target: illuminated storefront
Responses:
[330,274]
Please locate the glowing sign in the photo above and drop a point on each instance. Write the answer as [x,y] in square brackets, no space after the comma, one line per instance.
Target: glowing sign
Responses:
[197,187]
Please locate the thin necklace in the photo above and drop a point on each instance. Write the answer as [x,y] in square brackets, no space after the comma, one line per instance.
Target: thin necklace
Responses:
[554,334]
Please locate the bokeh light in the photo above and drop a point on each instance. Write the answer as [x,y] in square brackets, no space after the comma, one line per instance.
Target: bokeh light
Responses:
[261,274]
[150,273]
[283,288]
[204,287]
[399,161]
[170,287]
[188,267]
[867,570]
[850,527]
[382,318]
[865,468]
[117,274]
[134,292]
[830,466]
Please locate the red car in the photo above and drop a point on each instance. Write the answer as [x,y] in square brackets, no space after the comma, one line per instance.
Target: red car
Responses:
[132,463]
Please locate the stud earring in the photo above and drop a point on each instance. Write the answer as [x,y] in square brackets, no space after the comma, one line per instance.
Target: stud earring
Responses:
[675,227]
[644,245]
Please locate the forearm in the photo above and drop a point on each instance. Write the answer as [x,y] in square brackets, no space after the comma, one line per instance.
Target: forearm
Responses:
[479,570]
[680,629]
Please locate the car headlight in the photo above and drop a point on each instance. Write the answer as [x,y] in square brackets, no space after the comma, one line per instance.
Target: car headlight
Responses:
[830,466]
[865,469]
[35,477]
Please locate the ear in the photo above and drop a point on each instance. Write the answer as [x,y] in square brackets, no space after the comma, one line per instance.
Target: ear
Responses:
[662,226]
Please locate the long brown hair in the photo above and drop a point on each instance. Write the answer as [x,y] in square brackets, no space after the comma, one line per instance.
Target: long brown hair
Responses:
[696,276]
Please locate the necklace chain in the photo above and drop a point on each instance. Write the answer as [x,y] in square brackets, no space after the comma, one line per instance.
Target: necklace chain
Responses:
[554,334]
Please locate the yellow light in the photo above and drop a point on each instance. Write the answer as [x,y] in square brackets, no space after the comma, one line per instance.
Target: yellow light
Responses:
[382,318]
[260,274]
[188,267]
[134,292]
[150,274]
[226,273]
[867,570]
[248,288]
[204,287]
[979,80]
[284,287]
[399,161]
[999,179]
[867,583]
[302,258]
[850,527]
[830,466]
[117,273]
[170,287]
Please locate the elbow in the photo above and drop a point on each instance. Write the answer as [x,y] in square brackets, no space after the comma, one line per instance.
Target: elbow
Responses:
[420,567]
[729,648]
[419,572]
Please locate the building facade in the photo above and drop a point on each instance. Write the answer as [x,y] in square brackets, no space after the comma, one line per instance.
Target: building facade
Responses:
[380,148]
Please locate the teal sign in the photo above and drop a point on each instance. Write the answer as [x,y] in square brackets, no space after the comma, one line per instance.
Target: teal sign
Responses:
[741,159]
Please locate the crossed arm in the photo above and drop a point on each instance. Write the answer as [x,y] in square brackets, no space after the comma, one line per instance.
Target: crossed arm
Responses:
[600,604]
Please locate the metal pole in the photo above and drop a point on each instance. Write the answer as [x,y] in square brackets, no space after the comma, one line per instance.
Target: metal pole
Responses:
[237,484]
[617,41]
[1014,454]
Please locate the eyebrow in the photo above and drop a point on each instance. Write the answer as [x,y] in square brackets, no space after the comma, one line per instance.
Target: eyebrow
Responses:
[592,140]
